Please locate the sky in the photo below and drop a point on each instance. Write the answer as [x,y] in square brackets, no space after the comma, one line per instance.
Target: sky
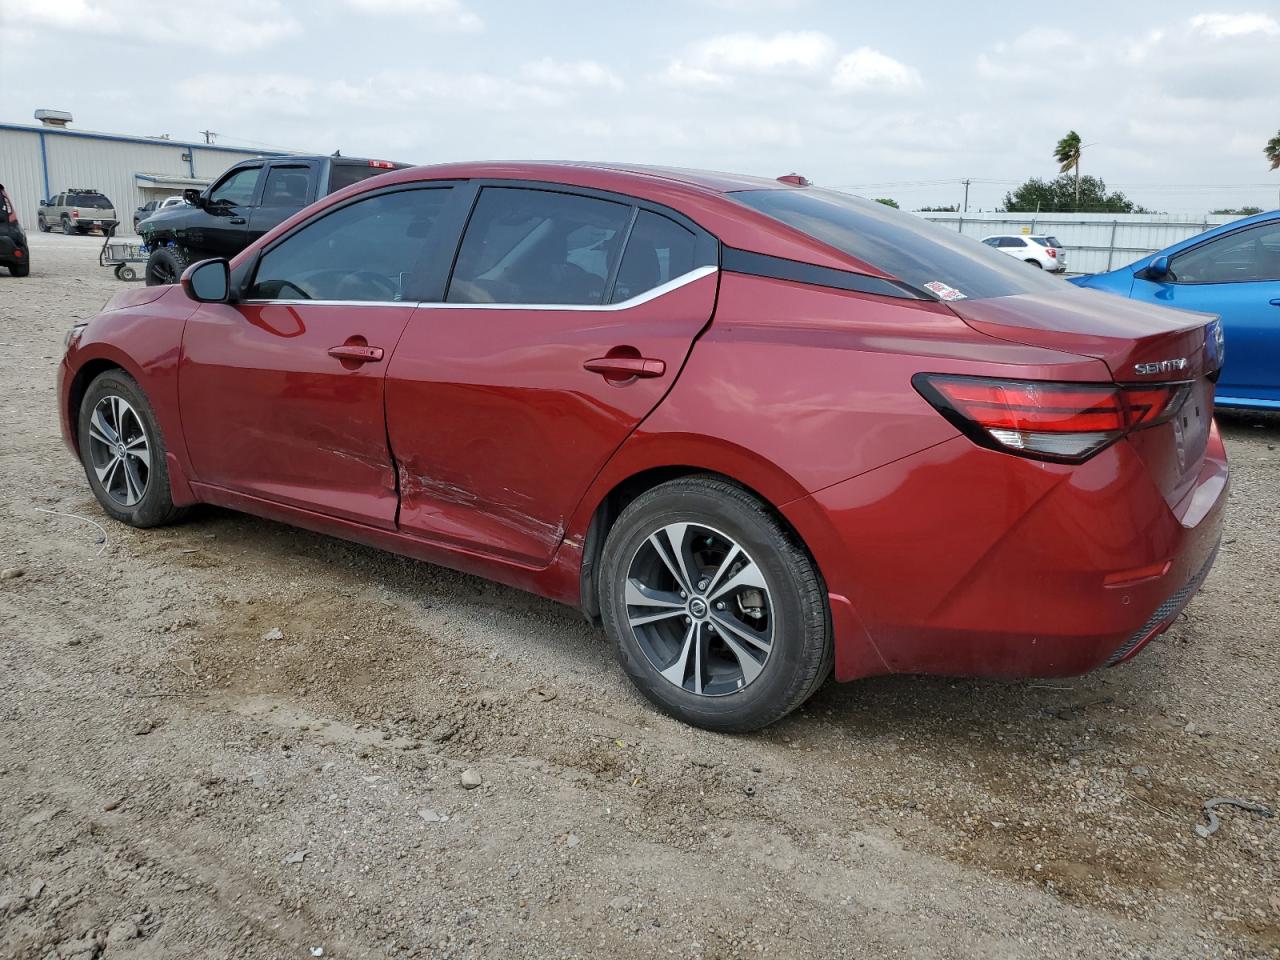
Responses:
[1174,100]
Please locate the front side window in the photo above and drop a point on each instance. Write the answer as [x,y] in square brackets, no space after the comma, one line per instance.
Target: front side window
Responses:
[658,250]
[1251,254]
[367,251]
[286,187]
[527,246]
[237,189]
[917,252]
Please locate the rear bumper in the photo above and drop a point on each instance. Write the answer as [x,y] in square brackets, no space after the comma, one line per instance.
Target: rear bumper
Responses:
[966,561]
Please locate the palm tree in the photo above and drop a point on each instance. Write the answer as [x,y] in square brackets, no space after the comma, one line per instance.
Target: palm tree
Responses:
[1272,150]
[1067,153]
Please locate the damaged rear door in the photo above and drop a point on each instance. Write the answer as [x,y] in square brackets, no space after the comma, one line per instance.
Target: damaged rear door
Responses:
[568,316]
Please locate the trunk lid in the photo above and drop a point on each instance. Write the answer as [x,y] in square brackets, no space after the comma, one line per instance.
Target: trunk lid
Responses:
[1125,335]
[1139,343]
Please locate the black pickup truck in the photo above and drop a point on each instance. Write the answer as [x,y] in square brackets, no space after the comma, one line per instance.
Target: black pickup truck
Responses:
[244,203]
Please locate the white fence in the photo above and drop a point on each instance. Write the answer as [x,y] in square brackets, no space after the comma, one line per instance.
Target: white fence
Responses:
[1095,242]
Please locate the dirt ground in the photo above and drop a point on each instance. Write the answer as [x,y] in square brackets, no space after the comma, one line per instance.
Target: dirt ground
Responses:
[172,784]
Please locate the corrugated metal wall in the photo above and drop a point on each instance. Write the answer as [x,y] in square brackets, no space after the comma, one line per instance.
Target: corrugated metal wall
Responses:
[1095,242]
[99,163]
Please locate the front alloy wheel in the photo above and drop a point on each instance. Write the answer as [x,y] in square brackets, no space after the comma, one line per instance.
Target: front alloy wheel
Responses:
[123,452]
[119,450]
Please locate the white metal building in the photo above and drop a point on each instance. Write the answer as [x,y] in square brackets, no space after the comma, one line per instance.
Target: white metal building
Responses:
[1094,242]
[39,161]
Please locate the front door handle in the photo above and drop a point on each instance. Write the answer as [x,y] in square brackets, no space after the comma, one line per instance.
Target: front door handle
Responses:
[625,368]
[1276,302]
[238,220]
[356,353]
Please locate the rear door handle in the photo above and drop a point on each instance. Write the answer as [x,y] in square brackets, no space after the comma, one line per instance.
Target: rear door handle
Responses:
[238,220]
[624,368]
[351,352]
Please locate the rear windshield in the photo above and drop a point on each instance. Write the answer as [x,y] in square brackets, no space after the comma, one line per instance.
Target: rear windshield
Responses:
[94,201]
[933,259]
[345,174]
[1047,241]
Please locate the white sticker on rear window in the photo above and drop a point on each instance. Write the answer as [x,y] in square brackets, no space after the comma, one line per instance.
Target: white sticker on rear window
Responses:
[942,291]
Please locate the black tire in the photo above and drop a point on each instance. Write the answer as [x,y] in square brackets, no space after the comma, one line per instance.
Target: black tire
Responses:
[165,266]
[155,506]
[800,656]
[1037,264]
[66,226]
[43,224]
[19,269]
[125,272]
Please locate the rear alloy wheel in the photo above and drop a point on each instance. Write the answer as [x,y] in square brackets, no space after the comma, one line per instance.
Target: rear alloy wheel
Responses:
[719,615]
[66,226]
[43,224]
[123,452]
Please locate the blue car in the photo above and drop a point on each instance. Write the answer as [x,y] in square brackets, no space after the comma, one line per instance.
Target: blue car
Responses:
[1232,271]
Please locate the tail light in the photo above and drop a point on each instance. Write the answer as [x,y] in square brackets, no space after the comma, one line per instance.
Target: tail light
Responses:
[382,164]
[75,214]
[1062,422]
[1050,251]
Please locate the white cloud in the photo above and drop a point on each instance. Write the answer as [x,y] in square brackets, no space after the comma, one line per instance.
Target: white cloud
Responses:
[451,14]
[1224,26]
[868,69]
[580,74]
[230,94]
[241,25]
[803,52]
[678,73]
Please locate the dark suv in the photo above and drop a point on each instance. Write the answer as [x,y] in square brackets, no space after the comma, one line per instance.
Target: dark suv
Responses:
[246,201]
[13,242]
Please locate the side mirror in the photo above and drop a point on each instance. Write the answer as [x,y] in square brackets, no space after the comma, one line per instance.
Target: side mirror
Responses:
[1157,269]
[208,281]
[44,203]
[193,197]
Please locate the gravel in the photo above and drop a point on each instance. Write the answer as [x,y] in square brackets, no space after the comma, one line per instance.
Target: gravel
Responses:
[900,816]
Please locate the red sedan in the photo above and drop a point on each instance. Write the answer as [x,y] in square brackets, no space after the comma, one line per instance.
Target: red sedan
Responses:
[760,430]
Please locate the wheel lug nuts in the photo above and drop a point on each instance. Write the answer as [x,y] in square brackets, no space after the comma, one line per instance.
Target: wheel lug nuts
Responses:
[702,584]
[682,594]
[720,605]
[687,620]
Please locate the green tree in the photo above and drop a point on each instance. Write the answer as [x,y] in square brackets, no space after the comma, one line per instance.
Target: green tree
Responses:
[1067,153]
[1238,212]
[888,202]
[1272,150]
[1066,194]
[954,208]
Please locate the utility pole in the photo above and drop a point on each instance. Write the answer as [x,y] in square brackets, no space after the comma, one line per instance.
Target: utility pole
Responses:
[208,135]
[966,195]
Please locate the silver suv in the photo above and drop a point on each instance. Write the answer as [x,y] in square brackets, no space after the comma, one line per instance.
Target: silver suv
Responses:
[77,211]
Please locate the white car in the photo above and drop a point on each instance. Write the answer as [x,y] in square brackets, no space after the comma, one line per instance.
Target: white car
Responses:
[1035,248]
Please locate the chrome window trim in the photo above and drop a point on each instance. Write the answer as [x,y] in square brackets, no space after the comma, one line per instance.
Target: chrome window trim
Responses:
[651,294]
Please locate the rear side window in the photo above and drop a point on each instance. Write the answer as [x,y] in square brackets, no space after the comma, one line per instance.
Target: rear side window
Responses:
[924,255]
[94,201]
[286,187]
[345,174]
[367,251]
[658,250]
[538,247]
[1047,241]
